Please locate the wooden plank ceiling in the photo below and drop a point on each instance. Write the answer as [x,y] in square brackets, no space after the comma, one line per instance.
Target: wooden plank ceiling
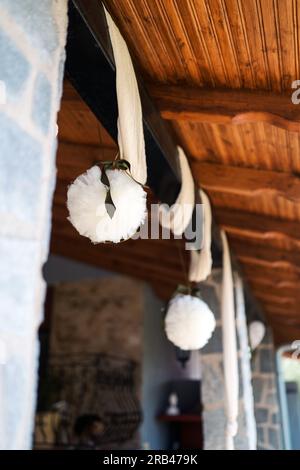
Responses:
[221,72]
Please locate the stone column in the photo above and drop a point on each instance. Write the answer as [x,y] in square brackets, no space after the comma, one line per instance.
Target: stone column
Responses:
[213,390]
[32,41]
[267,411]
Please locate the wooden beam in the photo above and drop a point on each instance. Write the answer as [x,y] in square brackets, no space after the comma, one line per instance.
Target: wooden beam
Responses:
[283,321]
[74,159]
[257,227]
[286,311]
[245,181]
[270,297]
[286,334]
[82,155]
[286,288]
[226,106]
[122,259]
[244,248]
[285,267]
[276,275]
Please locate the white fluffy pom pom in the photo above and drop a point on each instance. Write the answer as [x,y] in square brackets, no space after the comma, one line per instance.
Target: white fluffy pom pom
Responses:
[189,322]
[88,214]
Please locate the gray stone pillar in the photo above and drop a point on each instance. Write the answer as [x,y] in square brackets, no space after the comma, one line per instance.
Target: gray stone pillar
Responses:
[267,411]
[213,390]
[32,40]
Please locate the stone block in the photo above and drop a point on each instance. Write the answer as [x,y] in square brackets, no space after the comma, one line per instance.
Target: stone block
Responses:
[20,177]
[214,345]
[261,415]
[274,439]
[18,283]
[261,439]
[266,358]
[258,384]
[41,106]
[14,69]
[212,381]
[271,398]
[275,418]
[37,21]
[214,429]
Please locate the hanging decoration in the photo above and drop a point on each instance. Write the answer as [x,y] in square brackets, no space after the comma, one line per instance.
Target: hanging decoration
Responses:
[178,217]
[257,331]
[231,377]
[108,204]
[189,323]
[98,208]
[201,261]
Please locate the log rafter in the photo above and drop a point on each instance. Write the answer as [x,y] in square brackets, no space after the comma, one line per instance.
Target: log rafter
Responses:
[226,106]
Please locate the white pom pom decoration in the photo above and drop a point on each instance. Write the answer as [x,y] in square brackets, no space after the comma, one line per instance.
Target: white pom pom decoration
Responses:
[189,322]
[88,214]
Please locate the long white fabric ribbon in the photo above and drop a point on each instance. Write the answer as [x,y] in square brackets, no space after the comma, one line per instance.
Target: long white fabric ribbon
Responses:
[178,217]
[231,377]
[130,122]
[201,262]
[248,399]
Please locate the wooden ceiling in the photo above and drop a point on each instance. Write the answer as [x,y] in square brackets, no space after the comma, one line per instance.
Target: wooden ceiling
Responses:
[221,73]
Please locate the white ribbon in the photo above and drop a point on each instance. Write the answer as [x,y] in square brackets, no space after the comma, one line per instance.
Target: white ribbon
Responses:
[178,217]
[245,363]
[201,262]
[130,122]
[231,376]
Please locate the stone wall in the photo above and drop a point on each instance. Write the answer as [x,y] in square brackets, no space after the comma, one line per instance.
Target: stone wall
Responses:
[32,40]
[267,411]
[260,368]
[213,390]
[98,316]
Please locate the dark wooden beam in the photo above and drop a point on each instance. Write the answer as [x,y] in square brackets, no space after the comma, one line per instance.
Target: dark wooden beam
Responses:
[82,156]
[263,252]
[221,106]
[284,333]
[246,181]
[252,226]
[152,263]
[276,275]
[271,299]
[269,283]
[281,266]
